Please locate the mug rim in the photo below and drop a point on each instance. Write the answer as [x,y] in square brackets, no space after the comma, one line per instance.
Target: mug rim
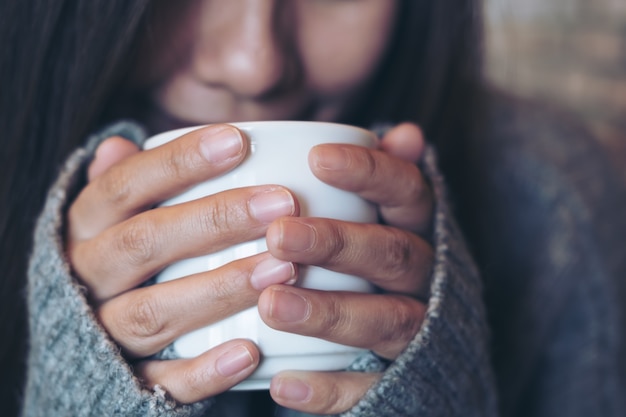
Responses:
[169,135]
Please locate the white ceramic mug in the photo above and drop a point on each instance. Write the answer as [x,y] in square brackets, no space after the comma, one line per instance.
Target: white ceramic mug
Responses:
[278,155]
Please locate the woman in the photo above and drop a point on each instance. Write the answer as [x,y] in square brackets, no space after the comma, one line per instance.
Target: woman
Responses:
[364,62]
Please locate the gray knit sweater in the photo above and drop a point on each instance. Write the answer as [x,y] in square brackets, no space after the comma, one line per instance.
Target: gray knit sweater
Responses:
[538,332]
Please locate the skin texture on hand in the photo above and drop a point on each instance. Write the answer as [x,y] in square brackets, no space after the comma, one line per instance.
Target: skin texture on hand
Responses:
[116,241]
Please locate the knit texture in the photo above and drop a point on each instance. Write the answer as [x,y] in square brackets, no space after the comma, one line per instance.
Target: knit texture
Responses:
[445,371]
[74,369]
[534,327]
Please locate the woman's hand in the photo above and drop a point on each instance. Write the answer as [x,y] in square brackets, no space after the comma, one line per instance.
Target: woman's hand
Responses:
[116,241]
[396,256]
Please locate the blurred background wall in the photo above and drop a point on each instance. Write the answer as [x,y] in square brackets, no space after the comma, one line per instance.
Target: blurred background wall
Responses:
[572,52]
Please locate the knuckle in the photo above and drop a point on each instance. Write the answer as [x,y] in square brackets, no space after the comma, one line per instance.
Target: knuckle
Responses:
[368,160]
[402,260]
[370,168]
[221,293]
[331,396]
[115,187]
[336,318]
[195,381]
[331,400]
[335,248]
[402,326]
[407,263]
[220,216]
[398,253]
[407,322]
[177,163]
[137,242]
[215,216]
[142,319]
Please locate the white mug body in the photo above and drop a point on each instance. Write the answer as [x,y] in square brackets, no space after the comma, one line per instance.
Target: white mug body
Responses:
[278,155]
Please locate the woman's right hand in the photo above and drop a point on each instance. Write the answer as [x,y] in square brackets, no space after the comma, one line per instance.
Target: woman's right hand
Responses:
[116,241]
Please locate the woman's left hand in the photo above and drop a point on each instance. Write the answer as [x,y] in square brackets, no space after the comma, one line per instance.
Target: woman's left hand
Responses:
[396,256]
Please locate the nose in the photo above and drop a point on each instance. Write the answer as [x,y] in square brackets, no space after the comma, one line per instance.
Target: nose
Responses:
[241,46]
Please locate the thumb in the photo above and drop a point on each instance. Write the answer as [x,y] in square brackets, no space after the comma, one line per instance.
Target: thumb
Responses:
[108,153]
[405,141]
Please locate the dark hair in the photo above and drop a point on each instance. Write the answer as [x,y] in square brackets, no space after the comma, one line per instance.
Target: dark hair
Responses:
[63,60]
[433,75]
[60,61]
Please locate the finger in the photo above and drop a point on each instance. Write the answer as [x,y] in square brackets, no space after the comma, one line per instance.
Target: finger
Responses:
[127,254]
[384,324]
[191,380]
[397,186]
[110,152]
[146,320]
[320,392]
[405,141]
[142,180]
[390,258]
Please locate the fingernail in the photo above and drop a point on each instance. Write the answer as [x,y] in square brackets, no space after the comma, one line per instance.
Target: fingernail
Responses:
[293,390]
[234,361]
[296,236]
[272,271]
[288,307]
[270,205]
[221,146]
[331,157]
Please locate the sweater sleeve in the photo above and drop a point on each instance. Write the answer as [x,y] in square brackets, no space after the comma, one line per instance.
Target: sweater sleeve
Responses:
[74,369]
[446,369]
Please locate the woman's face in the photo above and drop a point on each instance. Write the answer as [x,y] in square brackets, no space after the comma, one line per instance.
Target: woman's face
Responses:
[206,61]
